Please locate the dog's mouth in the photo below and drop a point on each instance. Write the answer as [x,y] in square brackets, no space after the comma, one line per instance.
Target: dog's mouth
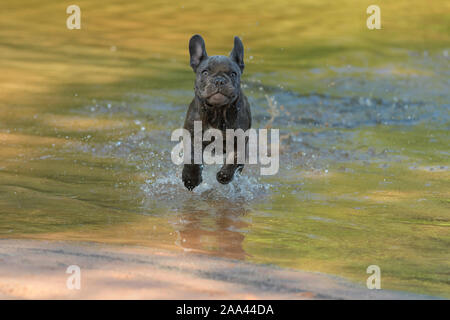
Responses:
[217,98]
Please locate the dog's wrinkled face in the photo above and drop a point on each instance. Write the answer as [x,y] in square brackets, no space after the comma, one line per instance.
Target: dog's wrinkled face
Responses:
[218,78]
[218,81]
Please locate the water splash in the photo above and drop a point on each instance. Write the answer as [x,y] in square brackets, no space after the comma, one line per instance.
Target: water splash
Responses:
[169,188]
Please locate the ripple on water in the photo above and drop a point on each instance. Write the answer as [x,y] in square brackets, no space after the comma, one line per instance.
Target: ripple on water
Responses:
[168,188]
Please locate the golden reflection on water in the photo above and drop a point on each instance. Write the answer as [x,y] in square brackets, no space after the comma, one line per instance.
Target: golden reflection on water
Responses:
[339,222]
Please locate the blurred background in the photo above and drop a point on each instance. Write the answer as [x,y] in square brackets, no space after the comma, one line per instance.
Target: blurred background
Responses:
[86,117]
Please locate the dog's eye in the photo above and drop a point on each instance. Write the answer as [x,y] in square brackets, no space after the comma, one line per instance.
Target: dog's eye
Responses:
[205,73]
[233,74]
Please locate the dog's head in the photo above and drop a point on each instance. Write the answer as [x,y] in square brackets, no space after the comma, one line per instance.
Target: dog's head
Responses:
[218,78]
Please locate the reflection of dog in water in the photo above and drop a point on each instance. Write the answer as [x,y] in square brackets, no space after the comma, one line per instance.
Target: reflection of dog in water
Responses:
[217,229]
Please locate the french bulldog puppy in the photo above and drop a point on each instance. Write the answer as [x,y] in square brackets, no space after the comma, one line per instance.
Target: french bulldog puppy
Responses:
[218,103]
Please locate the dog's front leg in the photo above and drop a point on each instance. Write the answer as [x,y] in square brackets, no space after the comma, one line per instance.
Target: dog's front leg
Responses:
[226,173]
[192,172]
[192,175]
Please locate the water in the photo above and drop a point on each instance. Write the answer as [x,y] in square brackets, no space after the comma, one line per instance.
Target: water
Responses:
[364,164]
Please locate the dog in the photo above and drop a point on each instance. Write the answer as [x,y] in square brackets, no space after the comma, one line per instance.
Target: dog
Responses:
[219,103]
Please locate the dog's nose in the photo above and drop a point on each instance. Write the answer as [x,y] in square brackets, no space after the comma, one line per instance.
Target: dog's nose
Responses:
[219,81]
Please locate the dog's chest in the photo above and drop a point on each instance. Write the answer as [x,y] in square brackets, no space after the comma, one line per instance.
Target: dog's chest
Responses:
[221,118]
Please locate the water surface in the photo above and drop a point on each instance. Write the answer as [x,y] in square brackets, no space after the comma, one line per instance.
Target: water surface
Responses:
[86,118]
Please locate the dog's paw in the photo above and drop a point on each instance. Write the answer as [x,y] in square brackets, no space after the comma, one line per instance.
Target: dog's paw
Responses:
[190,184]
[224,177]
[191,179]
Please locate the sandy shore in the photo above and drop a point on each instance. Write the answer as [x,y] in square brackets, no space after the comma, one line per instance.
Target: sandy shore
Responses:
[37,270]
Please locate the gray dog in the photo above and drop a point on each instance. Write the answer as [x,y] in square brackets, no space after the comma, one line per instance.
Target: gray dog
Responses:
[219,103]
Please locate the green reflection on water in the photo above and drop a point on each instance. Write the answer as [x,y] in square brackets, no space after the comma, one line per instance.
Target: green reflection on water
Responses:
[393,212]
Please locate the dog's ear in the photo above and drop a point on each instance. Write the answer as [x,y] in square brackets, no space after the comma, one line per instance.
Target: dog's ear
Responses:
[197,51]
[237,54]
